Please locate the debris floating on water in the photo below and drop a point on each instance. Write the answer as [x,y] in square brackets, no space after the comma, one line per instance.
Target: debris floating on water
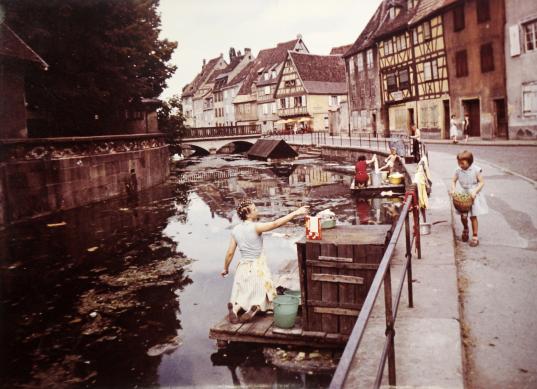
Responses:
[52,225]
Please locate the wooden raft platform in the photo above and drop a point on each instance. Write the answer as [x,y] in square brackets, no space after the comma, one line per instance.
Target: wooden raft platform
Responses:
[371,191]
[262,330]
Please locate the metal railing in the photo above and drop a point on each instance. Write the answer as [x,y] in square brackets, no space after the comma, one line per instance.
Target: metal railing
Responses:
[383,276]
[223,131]
[368,140]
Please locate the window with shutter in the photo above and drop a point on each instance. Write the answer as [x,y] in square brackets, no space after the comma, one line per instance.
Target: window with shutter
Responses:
[487,58]
[403,79]
[426,30]
[461,63]
[458,18]
[483,11]
[391,82]
[530,36]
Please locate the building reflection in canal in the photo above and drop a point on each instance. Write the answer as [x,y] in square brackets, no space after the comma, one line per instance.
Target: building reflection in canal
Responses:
[123,294]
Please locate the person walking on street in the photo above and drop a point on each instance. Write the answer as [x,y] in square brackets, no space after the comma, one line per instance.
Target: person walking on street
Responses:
[466,127]
[253,289]
[416,140]
[453,130]
[469,176]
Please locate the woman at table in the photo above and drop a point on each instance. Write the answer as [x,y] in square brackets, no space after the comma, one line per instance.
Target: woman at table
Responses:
[253,290]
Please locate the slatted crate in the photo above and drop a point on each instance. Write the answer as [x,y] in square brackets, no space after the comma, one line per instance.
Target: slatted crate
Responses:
[336,274]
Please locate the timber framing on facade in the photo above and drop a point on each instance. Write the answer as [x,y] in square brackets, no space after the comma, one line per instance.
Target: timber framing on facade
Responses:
[430,59]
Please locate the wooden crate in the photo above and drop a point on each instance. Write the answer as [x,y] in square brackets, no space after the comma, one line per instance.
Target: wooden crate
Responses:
[336,274]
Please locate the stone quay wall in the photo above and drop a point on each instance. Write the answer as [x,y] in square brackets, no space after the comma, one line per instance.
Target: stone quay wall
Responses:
[42,176]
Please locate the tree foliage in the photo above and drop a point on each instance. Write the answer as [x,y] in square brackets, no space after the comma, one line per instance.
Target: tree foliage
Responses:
[103,55]
[171,122]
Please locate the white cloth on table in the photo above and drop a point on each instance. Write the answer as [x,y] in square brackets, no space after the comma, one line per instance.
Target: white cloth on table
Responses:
[467,180]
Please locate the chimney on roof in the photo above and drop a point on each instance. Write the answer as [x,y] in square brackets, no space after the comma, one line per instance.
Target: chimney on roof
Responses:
[239,53]
[232,54]
[203,63]
[247,50]
[298,36]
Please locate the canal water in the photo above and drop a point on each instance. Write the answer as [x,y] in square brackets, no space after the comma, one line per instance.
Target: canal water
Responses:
[123,293]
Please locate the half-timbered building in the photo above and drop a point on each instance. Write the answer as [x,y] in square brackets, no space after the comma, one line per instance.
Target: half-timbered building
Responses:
[308,87]
[431,70]
[397,68]
[255,102]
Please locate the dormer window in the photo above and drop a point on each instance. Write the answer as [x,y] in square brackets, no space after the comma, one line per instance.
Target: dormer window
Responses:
[266,76]
[411,3]
[394,11]
[273,73]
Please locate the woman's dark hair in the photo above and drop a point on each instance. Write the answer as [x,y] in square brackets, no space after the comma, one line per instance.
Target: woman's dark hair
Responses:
[243,209]
[361,158]
[466,156]
[452,116]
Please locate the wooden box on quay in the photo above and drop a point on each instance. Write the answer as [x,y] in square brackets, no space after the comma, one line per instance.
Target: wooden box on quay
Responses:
[336,274]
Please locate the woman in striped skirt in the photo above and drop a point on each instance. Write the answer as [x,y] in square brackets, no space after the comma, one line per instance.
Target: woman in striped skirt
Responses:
[253,290]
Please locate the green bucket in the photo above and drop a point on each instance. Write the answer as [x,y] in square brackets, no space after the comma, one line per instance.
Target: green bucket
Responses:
[294,293]
[285,310]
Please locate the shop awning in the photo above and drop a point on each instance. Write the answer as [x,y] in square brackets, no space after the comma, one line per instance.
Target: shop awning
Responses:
[305,119]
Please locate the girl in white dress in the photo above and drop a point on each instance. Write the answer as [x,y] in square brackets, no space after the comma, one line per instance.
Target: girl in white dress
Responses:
[453,130]
[470,179]
[252,290]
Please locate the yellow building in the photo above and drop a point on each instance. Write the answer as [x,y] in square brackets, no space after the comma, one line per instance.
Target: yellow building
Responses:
[308,87]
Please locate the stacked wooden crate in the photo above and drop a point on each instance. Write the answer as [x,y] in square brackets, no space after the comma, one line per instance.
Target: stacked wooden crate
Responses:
[336,274]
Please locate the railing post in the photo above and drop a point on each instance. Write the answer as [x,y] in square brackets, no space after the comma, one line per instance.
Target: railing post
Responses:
[409,256]
[390,332]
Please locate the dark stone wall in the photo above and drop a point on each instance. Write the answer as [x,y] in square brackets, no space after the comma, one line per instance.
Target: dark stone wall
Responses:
[37,187]
[12,102]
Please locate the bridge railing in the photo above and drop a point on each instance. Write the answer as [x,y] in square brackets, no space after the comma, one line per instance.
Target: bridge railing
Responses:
[217,132]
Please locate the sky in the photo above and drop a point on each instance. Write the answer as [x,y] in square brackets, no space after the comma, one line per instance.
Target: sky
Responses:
[206,28]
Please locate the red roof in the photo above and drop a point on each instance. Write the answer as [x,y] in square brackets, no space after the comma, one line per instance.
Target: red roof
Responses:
[340,50]
[11,45]
[191,88]
[265,60]
[380,25]
[321,73]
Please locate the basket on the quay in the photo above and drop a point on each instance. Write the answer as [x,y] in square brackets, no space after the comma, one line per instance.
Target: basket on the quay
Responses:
[462,201]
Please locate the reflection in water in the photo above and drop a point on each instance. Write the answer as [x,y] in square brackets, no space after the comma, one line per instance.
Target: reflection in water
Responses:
[125,292]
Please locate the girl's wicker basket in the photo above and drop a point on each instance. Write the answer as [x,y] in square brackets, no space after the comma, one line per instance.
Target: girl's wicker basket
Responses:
[462,201]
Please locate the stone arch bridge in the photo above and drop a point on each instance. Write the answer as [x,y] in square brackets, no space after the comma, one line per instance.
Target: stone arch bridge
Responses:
[210,140]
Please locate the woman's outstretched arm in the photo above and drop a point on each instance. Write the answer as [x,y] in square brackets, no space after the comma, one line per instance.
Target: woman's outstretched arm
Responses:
[229,256]
[265,227]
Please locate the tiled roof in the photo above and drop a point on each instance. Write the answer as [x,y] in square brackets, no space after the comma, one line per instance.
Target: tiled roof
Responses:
[11,45]
[380,24]
[388,26]
[191,88]
[321,73]
[266,59]
[340,50]
[367,36]
[427,7]
[242,74]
